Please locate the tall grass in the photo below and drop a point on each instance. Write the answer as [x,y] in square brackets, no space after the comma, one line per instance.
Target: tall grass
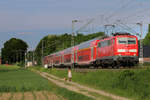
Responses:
[129,83]
[4,68]
[22,80]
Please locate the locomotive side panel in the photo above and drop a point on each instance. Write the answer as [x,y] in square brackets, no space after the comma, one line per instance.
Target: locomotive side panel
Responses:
[105,49]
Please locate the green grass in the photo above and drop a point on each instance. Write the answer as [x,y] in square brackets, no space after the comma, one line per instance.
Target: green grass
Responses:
[15,79]
[22,80]
[4,68]
[146,64]
[128,83]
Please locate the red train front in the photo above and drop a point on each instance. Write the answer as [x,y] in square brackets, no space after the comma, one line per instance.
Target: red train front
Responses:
[119,50]
[115,51]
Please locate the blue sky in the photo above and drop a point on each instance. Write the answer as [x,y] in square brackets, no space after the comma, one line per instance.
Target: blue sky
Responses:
[30,20]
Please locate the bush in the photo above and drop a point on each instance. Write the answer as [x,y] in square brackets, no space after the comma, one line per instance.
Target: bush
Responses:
[133,83]
[21,64]
[147,64]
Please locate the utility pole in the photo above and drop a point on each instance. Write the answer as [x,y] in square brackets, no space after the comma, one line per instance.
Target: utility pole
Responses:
[33,57]
[106,28]
[17,56]
[73,42]
[20,56]
[42,54]
[141,44]
[25,59]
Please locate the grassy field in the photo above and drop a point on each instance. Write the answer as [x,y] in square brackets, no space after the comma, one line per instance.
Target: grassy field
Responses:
[21,80]
[15,79]
[132,83]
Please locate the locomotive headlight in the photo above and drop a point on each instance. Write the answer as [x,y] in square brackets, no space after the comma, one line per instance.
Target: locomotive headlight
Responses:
[133,50]
[121,50]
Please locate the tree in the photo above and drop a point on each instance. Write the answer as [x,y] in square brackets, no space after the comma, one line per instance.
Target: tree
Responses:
[147,37]
[14,51]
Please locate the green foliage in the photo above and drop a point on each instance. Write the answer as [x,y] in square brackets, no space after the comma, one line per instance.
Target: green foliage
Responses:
[146,64]
[21,64]
[147,37]
[55,43]
[129,83]
[21,80]
[4,68]
[14,51]
[135,83]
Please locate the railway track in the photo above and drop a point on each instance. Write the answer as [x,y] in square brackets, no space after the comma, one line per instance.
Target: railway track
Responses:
[96,69]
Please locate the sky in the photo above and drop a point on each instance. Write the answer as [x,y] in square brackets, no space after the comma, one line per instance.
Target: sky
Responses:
[31,20]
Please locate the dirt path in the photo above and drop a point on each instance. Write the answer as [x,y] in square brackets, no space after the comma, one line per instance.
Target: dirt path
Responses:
[38,95]
[90,92]
[51,96]
[17,96]
[5,96]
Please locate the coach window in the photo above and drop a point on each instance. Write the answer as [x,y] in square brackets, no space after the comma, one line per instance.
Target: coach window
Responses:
[131,40]
[109,42]
[99,44]
[113,41]
[104,43]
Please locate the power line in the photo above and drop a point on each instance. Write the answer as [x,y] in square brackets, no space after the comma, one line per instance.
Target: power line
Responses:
[130,6]
[119,9]
[138,12]
[121,24]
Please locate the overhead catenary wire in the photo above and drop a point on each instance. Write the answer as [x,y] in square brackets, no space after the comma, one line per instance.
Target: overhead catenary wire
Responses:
[121,24]
[90,21]
[135,14]
[131,6]
[106,19]
[118,10]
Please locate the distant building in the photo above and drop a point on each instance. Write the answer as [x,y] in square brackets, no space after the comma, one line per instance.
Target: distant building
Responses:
[146,53]
[29,64]
[0,60]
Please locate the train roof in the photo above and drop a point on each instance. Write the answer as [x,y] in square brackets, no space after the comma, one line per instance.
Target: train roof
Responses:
[120,33]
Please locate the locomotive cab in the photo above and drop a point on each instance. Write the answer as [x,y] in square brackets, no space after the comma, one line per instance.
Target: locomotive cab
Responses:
[126,49]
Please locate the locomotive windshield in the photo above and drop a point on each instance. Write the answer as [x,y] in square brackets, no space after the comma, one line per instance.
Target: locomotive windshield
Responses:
[126,40]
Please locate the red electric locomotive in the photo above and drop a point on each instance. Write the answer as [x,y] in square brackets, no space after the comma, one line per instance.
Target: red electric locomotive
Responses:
[117,50]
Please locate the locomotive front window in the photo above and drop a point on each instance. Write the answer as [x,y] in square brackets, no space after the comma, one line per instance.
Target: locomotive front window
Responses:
[126,40]
[122,40]
[131,40]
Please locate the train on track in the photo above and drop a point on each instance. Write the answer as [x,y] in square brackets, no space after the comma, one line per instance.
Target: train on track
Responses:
[120,49]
